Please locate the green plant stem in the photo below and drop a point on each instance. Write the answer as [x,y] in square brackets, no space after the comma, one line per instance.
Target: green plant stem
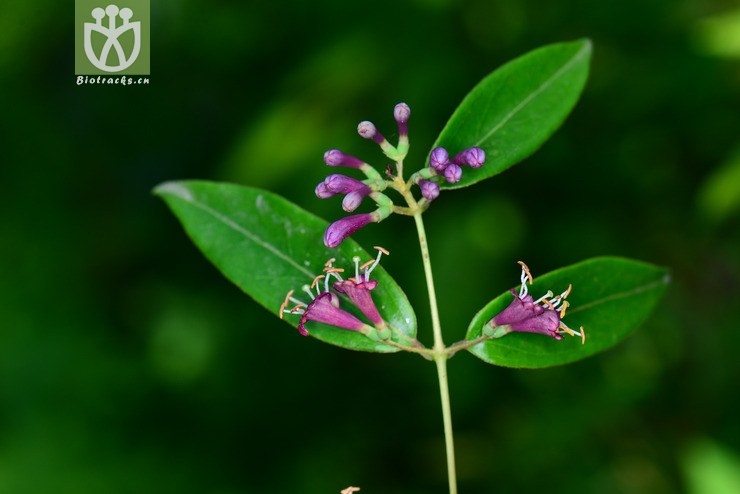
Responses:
[438,352]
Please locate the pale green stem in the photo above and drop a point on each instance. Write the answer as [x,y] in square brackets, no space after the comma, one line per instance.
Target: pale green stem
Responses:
[440,355]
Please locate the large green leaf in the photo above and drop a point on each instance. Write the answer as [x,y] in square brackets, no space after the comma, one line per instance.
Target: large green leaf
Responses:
[516,108]
[267,245]
[611,296]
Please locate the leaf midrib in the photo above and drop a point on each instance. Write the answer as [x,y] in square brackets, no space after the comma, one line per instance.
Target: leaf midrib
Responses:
[617,296]
[246,233]
[580,54]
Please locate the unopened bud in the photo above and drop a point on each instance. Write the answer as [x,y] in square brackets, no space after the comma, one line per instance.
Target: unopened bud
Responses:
[429,189]
[439,159]
[453,173]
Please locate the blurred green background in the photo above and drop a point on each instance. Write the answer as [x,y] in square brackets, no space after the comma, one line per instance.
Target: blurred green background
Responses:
[128,364]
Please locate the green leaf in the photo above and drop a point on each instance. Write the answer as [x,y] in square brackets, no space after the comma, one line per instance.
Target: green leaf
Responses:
[267,245]
[516,108]
[611,296]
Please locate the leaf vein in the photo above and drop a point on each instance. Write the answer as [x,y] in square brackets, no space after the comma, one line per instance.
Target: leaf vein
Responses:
[581,53]
[251,236]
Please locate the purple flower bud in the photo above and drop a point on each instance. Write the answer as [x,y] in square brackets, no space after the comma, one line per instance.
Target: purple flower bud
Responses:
[353,200]
[453,173]
[401,113]
[343,228]
[368,131]
[341,184]
[325,309]
[429,189]
[322,191]
[335,157]
[475,157]
[359,294]
[439,159]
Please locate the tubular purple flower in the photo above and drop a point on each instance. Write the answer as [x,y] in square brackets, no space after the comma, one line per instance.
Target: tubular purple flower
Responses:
[368,130]
[335,157]
[323,192]
[526,315]
[439,159]
[429,189]
[453,173]
[401,113]
[344,227]
[325,308]
[359,294]
[353,199]
[341,184]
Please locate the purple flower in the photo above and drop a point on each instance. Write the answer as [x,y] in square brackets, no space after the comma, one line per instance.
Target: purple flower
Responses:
[527,315]
[453,173]
[324,307]
[524,316]
[335,184]
[401,113]
[335,157]
[473,157]
[439,159]
[429,189]
[368,130]
[344,227]
[359,294]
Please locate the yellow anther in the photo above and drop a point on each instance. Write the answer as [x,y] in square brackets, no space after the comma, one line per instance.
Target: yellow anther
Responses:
[316,280]
[296,308]
[381,249]
[583,336]
[333,270]
[368,263]
[567,329]
[329,262]
[548,303]
[567,292]
[285,303]
[526,271]
[566,304]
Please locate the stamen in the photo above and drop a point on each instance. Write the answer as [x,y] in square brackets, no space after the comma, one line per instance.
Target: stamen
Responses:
[296,301]
[307,289]
[583,336]
[567,329]
[526,275]
[285,303]
[548,304]
[298,309]
[542,298]
[566,304]
[328,263]
[316,280]
[356,260]
[525,269]
[565,294]
[364,266]
[369,270]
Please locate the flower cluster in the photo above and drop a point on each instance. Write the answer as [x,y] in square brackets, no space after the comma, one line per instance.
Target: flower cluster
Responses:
[527,315]
[325,306]
[354,190]
[441,167]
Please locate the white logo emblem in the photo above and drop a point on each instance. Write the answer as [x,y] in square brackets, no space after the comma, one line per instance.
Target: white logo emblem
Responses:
[111,32]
